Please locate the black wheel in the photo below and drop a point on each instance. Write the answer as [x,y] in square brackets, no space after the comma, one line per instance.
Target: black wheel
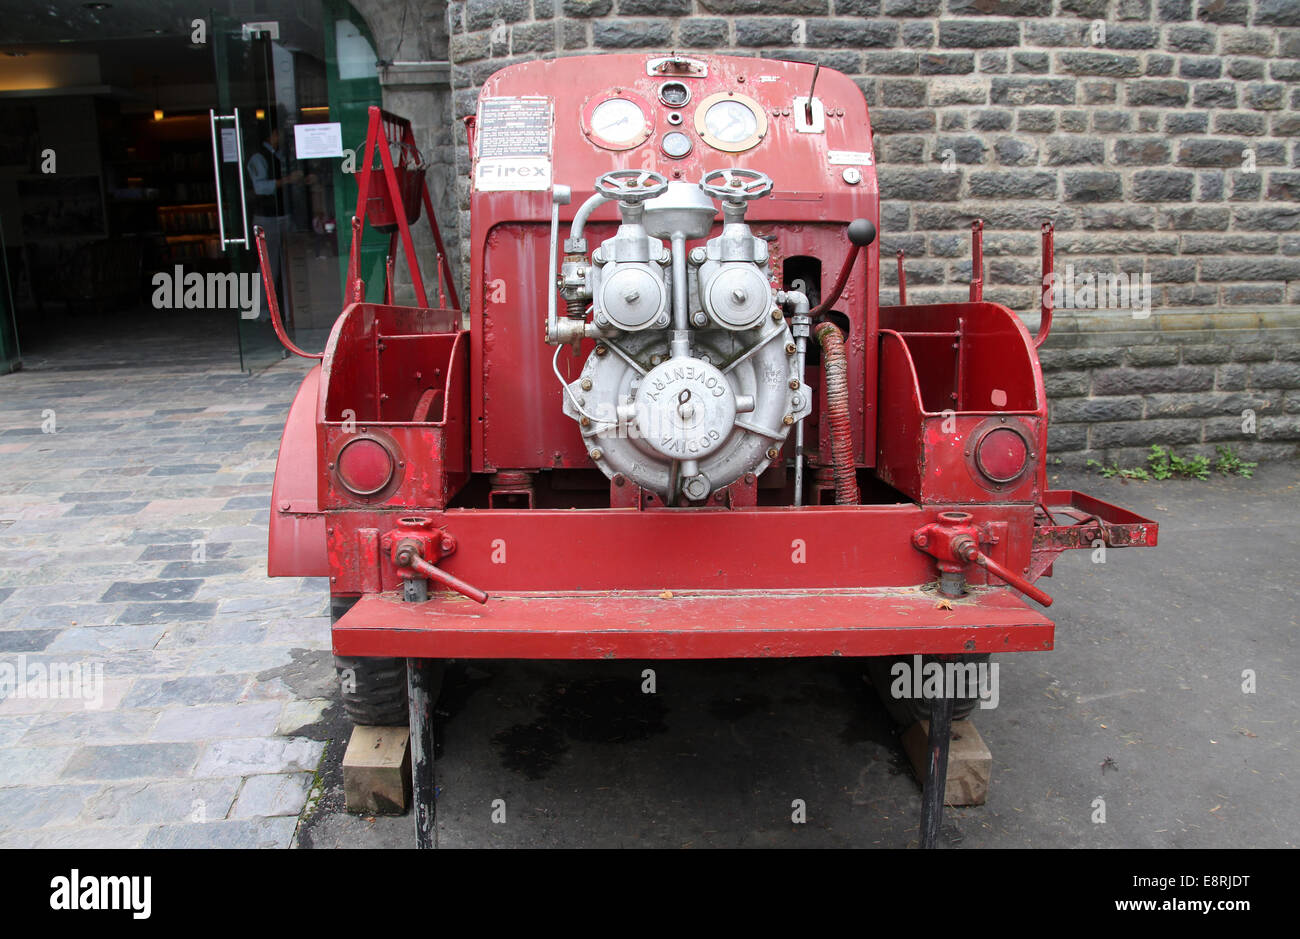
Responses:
[908,710]
[373,689]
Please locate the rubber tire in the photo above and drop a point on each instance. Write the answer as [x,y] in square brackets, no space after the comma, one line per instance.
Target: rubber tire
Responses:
[907,711]
[378,697]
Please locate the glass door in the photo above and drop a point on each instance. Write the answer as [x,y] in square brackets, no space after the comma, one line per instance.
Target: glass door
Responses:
[292,95]
[249,172]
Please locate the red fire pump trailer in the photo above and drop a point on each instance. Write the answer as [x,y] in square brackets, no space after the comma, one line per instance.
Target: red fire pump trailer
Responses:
[679,423]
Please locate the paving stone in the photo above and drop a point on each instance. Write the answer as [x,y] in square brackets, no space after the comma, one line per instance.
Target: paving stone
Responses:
[75,727]
[12,728]
[35,806]
[187,691]
[210,722]
[184,551]
[106,638]
[227,660]
[219,633]
[169,803]
[78,838]
[26,640]
[32,766]
[185,469]
[272,795]
[167,536]
[164,612]
[63,615]
[299,714]
[84,689]
[259,755]
[238,833]
[212,567]
[133,761]
[154,590]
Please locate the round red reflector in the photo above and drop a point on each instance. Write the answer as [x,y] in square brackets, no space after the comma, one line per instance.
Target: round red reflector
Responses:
[365,466]
[1002,454]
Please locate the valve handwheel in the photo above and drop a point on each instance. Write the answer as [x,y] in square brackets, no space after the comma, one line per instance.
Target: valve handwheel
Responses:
[738,185]
[631,186]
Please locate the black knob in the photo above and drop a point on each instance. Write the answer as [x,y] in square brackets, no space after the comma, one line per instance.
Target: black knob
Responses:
[862,232]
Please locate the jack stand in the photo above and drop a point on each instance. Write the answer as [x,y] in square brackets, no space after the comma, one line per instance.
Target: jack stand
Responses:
[421,694]
[936,777]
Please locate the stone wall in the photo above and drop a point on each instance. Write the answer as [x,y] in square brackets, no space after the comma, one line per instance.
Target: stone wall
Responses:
[1160,136]
[1189,380]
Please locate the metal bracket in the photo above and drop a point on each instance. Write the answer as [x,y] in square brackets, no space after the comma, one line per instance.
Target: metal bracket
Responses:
[803,108]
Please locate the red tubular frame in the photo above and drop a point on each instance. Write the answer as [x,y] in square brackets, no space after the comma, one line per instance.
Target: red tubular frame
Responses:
[1045,309]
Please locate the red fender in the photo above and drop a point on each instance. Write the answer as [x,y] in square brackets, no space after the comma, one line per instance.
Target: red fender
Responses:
[296,545]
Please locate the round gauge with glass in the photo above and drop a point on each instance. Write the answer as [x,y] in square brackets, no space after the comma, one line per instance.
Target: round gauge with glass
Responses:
[675,144]
[730,122]
[674,94]
[617,122]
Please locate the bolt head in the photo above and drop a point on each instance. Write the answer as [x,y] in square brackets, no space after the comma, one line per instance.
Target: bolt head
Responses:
[586,384]
[595,454]
[772,453]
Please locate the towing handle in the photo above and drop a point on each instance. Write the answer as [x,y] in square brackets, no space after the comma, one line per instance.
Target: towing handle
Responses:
[976,556]
[407,554]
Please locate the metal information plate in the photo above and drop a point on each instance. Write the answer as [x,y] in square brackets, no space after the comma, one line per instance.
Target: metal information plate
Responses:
[514,144]
[849,158]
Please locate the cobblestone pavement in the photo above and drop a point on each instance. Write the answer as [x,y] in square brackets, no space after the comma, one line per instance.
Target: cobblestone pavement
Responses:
[135,479]
[218,724]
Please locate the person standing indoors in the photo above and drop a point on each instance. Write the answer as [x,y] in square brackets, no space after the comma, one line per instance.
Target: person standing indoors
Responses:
[267,168]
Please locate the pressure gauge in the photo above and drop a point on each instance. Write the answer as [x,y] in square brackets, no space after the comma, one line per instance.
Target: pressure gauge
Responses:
[675,144]
[674,94]
[617,123]
[730,122]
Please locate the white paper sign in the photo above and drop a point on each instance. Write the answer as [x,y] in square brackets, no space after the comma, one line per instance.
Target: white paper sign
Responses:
[314,141]
[229,145]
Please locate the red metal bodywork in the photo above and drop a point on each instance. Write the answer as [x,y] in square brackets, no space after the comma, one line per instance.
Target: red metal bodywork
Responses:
[494,483]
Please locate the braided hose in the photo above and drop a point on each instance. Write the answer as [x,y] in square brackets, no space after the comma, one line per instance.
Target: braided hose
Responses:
[835,363]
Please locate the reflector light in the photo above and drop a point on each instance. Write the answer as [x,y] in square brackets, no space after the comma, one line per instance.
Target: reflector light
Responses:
[1002,454]
[364,466]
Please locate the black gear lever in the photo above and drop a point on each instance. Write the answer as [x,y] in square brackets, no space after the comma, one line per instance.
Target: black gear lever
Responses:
[861,233]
